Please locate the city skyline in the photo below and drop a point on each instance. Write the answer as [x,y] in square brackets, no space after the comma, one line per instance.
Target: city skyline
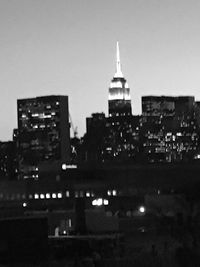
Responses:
[69,49]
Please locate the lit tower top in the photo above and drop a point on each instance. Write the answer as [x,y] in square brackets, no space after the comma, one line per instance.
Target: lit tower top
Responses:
[118,73]
[119,100]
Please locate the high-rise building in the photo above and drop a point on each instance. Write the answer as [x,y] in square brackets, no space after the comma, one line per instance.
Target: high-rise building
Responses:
[119,101]
[170,128]
[158,106]
[43,134]
[116,137]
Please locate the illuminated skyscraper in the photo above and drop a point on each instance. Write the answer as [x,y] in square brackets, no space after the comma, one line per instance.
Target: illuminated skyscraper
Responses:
[119,100]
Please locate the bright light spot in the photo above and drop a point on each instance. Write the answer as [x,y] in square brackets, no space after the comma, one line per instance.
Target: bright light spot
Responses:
[64,232]
[36,196]
[105,202]
[87,194]
[109,193]
[67,193]
[64,166]
[42,196]
[48,195]
[54,195]
[142,209]
[24,204]
[97,202]
[59,195]
[114,192]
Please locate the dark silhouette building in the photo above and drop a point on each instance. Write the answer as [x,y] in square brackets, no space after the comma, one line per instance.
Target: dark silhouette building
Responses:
[43,134]
[8,160]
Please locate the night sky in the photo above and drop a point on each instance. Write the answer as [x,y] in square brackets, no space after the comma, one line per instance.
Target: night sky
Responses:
[68,47]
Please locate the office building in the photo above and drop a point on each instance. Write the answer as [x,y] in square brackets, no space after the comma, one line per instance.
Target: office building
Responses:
[170,128]
[43,134]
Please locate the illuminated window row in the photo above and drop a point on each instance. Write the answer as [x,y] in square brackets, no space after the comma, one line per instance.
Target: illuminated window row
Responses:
[112,192]
[82,193]
[49,195]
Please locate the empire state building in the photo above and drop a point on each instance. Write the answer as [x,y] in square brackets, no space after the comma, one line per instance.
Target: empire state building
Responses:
[119,100]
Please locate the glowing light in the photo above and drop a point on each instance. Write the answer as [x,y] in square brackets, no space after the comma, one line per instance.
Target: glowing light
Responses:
[24,204]
[54,195]
[67,193]
[36,196]
[105,202]
[64,166]
[87,194]
[42,196]
[109,193]
[122,94]
[142,209]
[68,166]
[48,195]
[97,202]
[114,192]
[59,195]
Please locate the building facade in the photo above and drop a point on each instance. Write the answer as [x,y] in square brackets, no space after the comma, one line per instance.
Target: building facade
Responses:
[43,134]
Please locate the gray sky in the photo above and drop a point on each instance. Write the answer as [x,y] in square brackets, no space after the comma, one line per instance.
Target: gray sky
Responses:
[68,47]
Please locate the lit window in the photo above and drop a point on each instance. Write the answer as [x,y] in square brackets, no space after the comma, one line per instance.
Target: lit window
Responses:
[54,195]
[87,194]
[114,192]
[142,209]
[42,196]
[48,195]
[109,193]
[67,193]
[30,196]
[59,195]
[35,115]
[97,202]
[24,204]
[105,202]
[76,194]
[36,196]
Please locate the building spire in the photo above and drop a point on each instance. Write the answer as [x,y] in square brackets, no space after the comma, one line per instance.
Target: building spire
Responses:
[118,73]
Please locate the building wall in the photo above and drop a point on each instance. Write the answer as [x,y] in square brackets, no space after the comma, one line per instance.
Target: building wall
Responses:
[43,134]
